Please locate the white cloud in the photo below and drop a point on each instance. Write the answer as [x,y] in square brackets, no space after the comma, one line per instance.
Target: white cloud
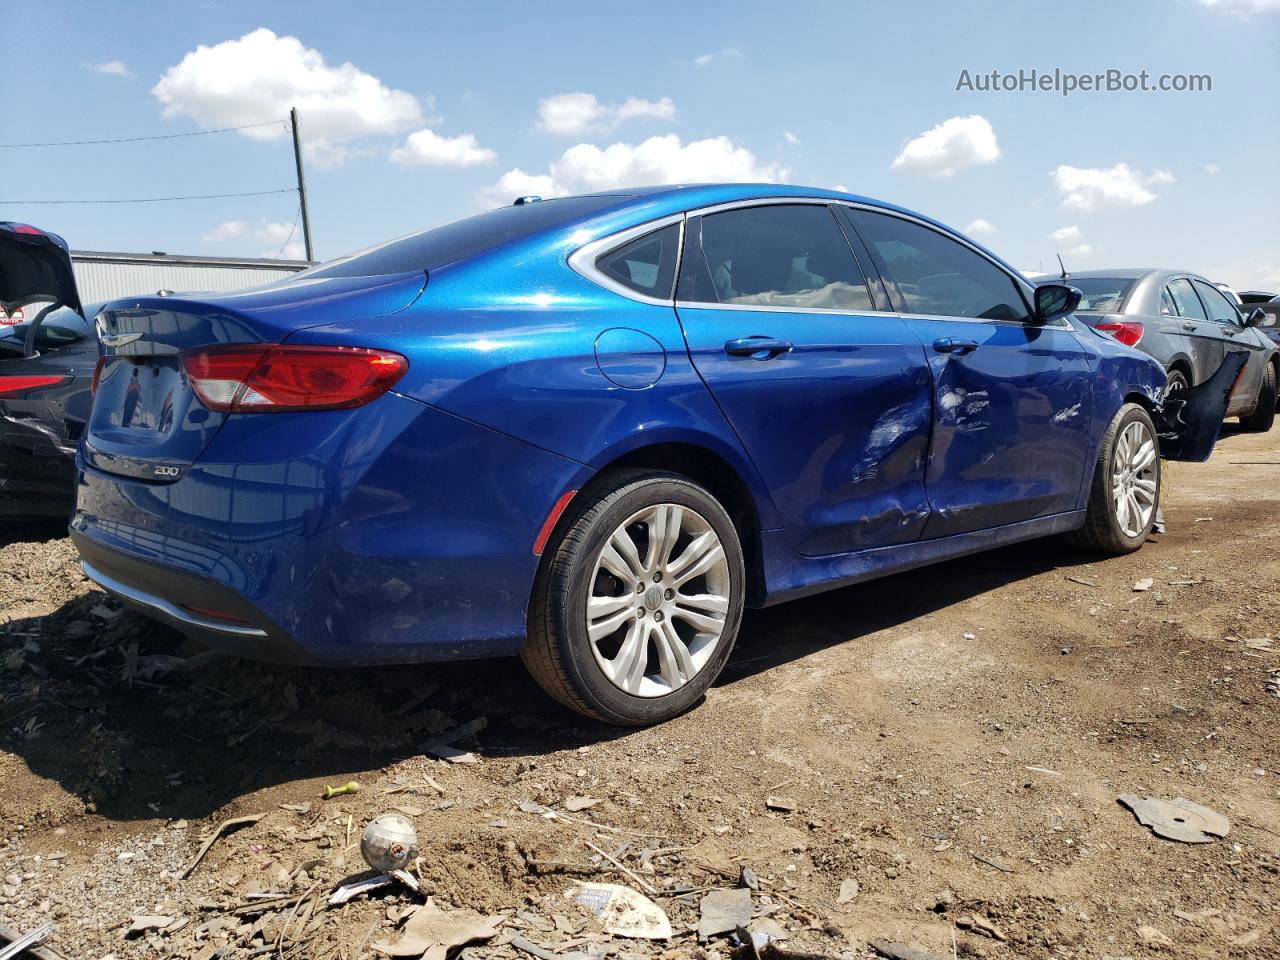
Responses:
[258,77]
[790,137]
[278,239]
[428,148]
[980,227]
[1243,8]
[114,68]
[1090,188]
[1070,241]
[1212,169]
[570,114]
[950,146]
[705,59]
[226,230]
[728,53]
[658,160]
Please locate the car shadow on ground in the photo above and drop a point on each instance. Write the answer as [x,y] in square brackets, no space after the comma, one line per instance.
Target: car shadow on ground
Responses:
[85,699]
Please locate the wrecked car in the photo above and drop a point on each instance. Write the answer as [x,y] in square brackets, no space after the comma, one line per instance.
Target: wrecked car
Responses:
[592,430]
[47,358]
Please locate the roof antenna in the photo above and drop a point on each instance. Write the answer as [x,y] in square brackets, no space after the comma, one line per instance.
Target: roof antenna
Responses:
[1063,266]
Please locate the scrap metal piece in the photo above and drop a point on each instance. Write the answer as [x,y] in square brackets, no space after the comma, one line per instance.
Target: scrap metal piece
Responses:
[39,935]
[1177,819]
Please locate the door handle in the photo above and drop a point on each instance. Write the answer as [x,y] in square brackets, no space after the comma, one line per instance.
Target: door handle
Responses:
[955,345]
[1188,326]
[762,348]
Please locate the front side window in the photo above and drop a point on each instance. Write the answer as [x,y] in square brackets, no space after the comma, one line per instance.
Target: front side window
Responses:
[789,255]
[647,264]
[1221,309]
[938,276]
[1185,300]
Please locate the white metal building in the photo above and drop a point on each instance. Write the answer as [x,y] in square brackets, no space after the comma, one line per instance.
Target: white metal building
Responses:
[106,276]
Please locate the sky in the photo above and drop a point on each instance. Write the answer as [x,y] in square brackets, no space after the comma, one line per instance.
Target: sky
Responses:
[415,114]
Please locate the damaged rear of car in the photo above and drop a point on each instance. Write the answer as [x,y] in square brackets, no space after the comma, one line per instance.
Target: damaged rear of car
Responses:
[47,358]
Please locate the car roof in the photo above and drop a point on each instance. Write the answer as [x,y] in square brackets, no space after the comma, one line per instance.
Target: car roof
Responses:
[1128,273]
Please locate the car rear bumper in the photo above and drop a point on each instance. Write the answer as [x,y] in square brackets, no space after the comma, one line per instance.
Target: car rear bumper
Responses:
[390,534]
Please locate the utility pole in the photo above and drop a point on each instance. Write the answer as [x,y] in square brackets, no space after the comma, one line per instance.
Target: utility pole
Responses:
[302,182]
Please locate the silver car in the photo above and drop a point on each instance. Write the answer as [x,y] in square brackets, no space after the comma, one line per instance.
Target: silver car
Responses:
[1189,325]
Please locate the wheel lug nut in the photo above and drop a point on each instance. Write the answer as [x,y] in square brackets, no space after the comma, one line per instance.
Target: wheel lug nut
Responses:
[640,614]
[658,616]
[639,588]
[670,594]
[657,578]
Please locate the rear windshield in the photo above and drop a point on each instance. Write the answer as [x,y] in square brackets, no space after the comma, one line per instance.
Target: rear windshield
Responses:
[60,328]
[432,249]
[1101,294]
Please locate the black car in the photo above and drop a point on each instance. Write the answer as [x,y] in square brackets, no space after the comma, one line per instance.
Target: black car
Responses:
[48,353]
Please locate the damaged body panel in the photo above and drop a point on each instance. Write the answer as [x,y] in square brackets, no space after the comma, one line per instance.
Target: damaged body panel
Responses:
[1190,422]
[47,357]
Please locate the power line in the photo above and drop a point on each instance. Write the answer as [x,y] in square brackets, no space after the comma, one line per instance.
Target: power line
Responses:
[167,136]
[201,196]
[292,230]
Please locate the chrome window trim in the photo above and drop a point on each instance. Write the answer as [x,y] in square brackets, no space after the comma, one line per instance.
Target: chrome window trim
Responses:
[583,260]
[774,308]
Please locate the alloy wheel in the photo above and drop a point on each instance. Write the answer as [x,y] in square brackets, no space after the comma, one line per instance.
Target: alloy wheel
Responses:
[658,599]
[1134,469]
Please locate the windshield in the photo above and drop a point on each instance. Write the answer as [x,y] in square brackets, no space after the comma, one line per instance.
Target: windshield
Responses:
[455,241]
[1101,294]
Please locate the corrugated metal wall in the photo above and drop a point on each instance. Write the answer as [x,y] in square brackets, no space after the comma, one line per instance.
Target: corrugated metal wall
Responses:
[99,278]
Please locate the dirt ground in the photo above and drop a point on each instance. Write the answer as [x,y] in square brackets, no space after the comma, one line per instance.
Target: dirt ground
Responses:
[953,740]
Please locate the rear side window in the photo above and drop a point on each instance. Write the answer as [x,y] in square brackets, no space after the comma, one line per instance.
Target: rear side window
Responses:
[1220,307]
[647,264]
[780,256]
[938,276]
[455,241]
[1185,300]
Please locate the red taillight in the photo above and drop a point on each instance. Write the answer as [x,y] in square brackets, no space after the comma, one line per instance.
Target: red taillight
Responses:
[279,378]
[1128,332]
[14,385]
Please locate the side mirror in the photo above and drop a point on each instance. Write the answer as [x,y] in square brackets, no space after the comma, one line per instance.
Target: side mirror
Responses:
[1258,318]
[1054,300]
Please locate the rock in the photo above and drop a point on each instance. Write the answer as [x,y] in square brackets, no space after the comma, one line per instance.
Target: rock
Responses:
[577,804]
[1149,934]
[1146,583]
[848,890]
[781,804]
[980,924]
[901,951]
[748,879]
[144,922]
[723,911]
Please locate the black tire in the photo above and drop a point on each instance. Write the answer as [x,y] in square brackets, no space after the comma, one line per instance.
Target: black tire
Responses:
[1177,382]
[1264,414]
[558,652]
[1102,532]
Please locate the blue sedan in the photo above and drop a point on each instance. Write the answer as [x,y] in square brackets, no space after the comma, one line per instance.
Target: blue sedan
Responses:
[592,430]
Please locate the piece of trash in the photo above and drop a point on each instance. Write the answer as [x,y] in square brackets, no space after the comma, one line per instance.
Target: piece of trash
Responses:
[453,754]
[389,842]
[435,932]
[781,804]
[1045,770]
[1143,585]
[970,636]
[848,890]
[578,804]
[218,831]
[542,953]
[622,911]
[469,729]
[25,941]
[901,951]
[1177,819]
[141,924]
[1203,519]
[298,808]
[1083,582]
[347,788]
[103,612]
[723,911]
[353,889]
[1257,643]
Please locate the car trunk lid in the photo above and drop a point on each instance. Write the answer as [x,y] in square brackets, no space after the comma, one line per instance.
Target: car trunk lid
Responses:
[147,422]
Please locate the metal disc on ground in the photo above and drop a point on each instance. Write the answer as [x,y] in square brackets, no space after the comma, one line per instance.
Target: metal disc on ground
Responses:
[1177,819]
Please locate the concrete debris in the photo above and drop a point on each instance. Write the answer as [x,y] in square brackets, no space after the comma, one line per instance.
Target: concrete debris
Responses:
[1177,819]
[431,932]
[849,890]
[144,922]
[578,804]
[780,804]
[901,951]
[1146,583]
[1153,936]
[723,911]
